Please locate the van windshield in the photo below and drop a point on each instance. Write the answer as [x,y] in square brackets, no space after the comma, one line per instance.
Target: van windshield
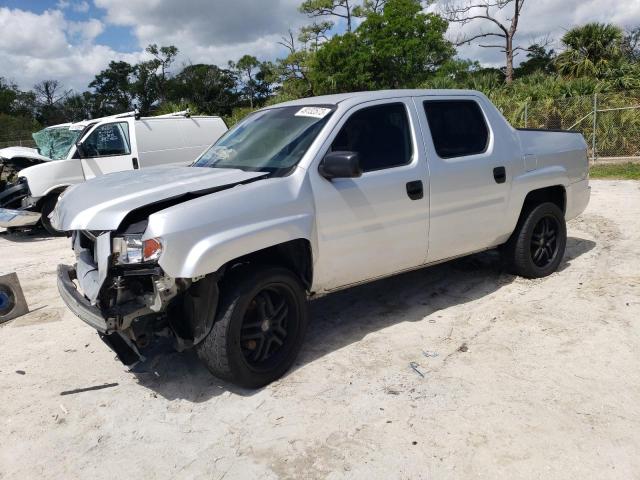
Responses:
[55,142]
[271,141]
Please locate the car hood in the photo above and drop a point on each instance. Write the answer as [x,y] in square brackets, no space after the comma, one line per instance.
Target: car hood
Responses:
[10,153]
[103,202]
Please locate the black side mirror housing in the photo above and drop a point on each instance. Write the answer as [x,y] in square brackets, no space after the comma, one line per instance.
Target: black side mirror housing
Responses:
[340,164]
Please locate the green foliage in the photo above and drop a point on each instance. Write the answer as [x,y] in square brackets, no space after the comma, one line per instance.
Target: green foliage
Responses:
[539,59]
[112,89]
[209,88]
[591,50]
[237,115]
[253,78]
[626,171]
[399,47]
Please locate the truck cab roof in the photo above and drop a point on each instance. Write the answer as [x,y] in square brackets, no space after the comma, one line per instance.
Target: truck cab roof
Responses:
[354,98]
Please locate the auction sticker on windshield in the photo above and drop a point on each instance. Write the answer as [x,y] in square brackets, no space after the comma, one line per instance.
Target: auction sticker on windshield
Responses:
[315,112]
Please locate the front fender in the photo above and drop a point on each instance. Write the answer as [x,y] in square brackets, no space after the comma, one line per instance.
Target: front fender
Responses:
[213,251]
[48,176]
[203,234]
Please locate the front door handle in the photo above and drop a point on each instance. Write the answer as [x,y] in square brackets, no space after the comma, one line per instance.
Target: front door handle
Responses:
[415,190]
[136,165]
[500,174]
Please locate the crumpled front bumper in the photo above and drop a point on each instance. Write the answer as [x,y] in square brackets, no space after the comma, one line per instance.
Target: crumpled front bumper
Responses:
[106,326]
[10,218]
[80,305]
[14,201]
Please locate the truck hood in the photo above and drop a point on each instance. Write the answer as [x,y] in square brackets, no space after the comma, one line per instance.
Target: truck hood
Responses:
[10,153]
[103,202]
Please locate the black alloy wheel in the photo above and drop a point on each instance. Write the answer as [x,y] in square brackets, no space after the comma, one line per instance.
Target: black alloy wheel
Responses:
[544,241]
[264,336]
[260,325]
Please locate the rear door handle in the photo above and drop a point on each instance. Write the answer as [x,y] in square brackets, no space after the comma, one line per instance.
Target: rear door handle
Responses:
[136,166]
[415,190]
[500,174]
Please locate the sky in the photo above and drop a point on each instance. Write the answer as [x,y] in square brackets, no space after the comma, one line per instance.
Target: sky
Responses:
[72,40]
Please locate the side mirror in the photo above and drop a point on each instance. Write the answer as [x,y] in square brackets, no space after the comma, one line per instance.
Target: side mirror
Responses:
[340,165]
[80,149]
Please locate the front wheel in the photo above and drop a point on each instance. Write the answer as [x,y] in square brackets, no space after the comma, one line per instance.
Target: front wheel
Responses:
[260,326]
[537,246]
[47,207]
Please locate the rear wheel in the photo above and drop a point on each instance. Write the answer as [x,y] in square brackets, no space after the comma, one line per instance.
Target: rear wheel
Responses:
[537,246]
[260,326]
[47,207]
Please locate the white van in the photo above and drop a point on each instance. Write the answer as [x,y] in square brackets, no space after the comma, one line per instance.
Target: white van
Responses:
[106,145]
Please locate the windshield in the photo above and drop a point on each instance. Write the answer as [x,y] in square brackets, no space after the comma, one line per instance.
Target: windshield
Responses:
[271,141]
[55,142]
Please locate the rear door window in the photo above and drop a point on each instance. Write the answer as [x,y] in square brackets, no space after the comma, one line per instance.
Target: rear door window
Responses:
[458,127]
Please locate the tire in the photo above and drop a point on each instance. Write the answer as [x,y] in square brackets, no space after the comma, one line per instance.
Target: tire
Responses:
[47,207]
[249,315]
[537,245]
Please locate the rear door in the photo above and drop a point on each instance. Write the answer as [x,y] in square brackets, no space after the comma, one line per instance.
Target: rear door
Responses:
[107,149]
[377,224]
[470,179]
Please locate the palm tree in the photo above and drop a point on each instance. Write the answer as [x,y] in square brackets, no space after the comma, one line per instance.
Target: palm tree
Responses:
[590,50]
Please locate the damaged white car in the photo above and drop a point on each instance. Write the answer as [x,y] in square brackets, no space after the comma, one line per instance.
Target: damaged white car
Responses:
[305,198]
[71,153]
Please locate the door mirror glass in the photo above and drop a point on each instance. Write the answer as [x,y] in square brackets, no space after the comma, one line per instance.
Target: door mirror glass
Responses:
[340,165]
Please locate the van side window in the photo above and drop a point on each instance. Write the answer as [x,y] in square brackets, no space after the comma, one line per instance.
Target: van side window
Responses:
[381,135]
[457,127]
[108,140]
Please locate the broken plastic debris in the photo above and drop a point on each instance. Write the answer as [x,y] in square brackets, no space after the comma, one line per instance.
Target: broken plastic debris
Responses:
[414,366]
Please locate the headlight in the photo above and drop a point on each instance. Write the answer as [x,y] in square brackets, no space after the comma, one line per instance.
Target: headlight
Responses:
[131,249]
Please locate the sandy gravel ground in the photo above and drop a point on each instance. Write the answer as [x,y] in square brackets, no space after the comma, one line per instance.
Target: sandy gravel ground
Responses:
[523,379]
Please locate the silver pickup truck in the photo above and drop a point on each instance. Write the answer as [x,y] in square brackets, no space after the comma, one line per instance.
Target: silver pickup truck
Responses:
[305,198]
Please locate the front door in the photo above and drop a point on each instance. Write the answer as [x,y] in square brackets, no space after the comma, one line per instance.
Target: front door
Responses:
[107,149]
[377,224]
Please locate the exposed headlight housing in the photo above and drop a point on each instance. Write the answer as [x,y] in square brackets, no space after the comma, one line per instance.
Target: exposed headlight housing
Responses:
[131,249]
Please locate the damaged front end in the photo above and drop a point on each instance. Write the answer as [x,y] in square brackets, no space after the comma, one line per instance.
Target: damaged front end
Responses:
[16,204]
[118,288]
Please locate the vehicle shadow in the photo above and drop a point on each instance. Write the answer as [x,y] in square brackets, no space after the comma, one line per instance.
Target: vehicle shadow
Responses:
[35,234]
[346,317]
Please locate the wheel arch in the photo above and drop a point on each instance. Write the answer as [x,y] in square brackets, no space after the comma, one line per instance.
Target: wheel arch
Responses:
[57,190]
[295,255]
[556,194]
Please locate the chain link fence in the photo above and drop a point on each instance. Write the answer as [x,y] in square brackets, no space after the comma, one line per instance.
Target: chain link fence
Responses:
[19,139]
[610,122]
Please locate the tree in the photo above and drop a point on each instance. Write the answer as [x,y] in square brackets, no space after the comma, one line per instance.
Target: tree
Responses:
[112,88]
[397,48]
[631,45]
[293,71]
[591,50]
[145,86]
[210,88]
[314,35]
[49,94]
[8,95]
[253,78]
[539,59]
[330,8]
[163,57]
[488,12]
